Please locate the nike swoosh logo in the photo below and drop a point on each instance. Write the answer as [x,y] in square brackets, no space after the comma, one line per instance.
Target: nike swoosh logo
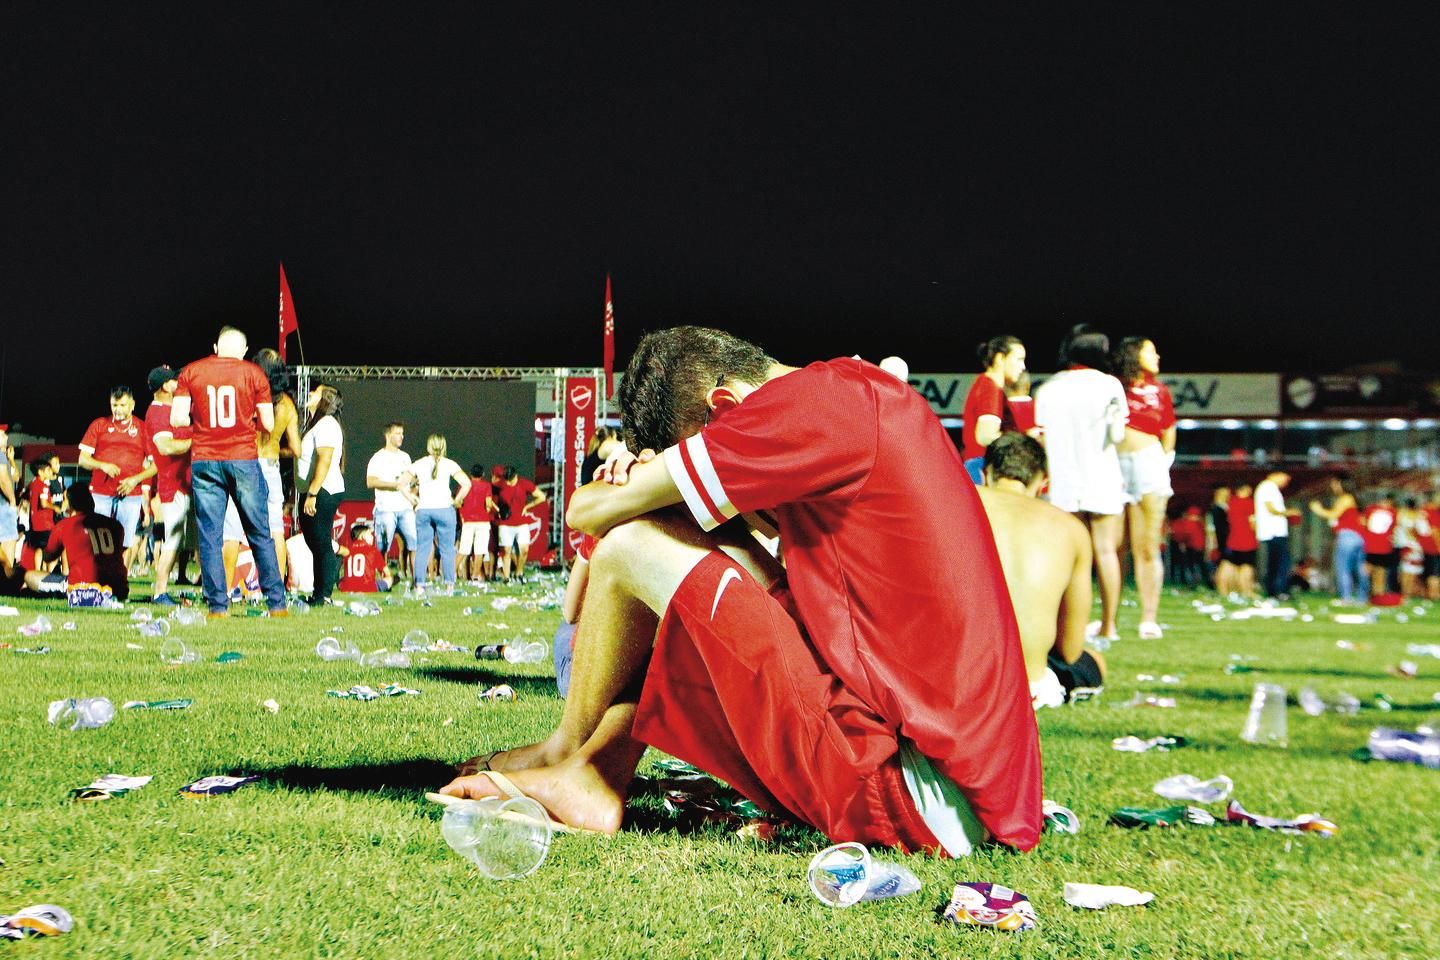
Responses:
[725,580]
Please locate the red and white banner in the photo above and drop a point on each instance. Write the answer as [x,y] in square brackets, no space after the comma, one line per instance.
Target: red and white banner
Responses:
[289,323]
[609,341]
[580,404]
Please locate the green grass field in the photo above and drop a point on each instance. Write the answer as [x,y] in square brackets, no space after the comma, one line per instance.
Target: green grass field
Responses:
[335,853]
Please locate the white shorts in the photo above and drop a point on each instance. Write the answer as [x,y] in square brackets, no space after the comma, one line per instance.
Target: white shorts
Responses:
[275,494]
[1146,473]
[233,531]
[475,538]
[512,535]
[1048,691]
[176,516]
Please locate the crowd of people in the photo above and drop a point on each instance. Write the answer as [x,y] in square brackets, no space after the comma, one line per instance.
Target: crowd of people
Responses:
[201,473]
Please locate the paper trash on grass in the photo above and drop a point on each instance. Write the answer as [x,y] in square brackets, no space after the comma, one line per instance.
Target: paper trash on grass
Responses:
[362,692]
[271,705]
[1187,786]
[990,905]
[1133,744]
[110,786]
[1304,823]
[1094,896]
[214,786]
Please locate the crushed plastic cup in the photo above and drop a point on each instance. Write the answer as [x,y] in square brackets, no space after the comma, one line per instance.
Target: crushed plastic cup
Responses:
[1402,746]
[504,839]
[1187,786]
[174,652]
[386,659]
[844,875]
[87,713]
[331,648]
[1266,723]
[516,651]
[1311,702]
[1133,744]
[141,616]
[189,616]
[299,608]
[1346,705]
[154,628]
[1059,819]
[415,641]
[41,624]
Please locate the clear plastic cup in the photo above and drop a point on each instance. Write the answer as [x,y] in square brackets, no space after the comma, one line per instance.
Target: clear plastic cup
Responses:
[189,616]
[174,652]
[505,839]
[385,658]
[839,875]
[1266,724]
[154,628]
[86,713]
[415,640]
[332,648]
[141,616]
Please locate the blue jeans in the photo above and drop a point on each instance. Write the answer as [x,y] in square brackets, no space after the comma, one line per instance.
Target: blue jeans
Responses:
[432,526]
[1277,566]
[386,523]
[215,482]
[1350,580]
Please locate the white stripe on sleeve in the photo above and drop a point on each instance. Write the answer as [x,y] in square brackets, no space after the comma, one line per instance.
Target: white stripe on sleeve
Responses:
[678,472]
[705,472]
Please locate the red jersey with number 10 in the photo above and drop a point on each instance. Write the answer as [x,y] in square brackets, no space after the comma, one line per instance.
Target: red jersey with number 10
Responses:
[224,393]
[94,549]
[892,566]
[359,568]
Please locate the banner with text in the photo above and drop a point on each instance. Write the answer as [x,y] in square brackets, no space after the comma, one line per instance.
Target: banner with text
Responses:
[579,425]
[1195,394]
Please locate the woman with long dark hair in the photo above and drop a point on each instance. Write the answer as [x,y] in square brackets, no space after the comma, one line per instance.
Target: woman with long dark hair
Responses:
[1145,454]
[321,483]
[1082,410]
[283,441]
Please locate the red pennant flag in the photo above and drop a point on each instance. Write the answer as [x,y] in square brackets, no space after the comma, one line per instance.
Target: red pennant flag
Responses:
[609,341]
[288,323]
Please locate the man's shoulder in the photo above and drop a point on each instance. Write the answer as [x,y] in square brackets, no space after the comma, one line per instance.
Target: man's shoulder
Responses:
[1039,517]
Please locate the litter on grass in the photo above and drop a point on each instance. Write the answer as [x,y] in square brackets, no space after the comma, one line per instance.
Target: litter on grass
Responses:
[1133,744]
[87,713]
[501,693]
[1143,818]
[1144,700]
[990,905]
[364,693]
[215,786]
[41,920]
[157,704]
[1094,896]
[845,874]
[1059,819]
[1304,823]
[271,705]
[1187,786]
[109,787]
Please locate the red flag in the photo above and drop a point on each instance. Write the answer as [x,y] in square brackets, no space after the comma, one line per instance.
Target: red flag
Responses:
[609,341]
[288,323]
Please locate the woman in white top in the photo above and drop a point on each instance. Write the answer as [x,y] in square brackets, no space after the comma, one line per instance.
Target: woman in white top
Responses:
[320,485]
[1082,412]
[435,510]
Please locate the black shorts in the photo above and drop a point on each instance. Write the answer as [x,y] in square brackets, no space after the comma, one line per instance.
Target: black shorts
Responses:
[1243,558]
[1432,564]
[1084,672]
[1384,561]
[37,539]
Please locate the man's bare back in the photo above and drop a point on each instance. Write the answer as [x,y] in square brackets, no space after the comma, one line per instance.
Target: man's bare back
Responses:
[1045,553]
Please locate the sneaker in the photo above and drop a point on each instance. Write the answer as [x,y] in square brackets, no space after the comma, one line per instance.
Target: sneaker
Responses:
[218,615]
[1150,630]
[165,600]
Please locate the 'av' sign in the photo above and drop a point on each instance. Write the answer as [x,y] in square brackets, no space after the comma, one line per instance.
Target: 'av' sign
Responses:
[1195,394]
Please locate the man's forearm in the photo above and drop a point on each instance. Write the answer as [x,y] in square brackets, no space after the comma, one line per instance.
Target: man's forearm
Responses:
[598,506]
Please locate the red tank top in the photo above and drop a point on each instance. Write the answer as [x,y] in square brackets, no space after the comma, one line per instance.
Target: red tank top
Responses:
[1350,520]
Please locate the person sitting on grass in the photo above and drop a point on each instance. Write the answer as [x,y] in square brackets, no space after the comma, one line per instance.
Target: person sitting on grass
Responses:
[93,546]
[1045,553]
[874,689]
[362,568]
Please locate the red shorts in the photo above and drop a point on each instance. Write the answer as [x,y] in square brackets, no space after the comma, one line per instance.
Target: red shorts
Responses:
[736,689]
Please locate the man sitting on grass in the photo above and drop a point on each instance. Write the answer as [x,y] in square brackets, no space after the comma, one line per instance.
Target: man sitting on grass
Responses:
[1045,553]
[874,689]
[93,546]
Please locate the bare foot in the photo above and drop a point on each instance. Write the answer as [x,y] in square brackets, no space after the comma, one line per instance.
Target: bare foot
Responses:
[546,753]
[574,793]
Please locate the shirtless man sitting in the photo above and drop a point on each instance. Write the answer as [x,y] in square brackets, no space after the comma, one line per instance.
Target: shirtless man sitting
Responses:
[1045,553]
[877,693]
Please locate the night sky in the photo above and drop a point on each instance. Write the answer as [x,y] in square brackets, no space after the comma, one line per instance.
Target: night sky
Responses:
[1253,189]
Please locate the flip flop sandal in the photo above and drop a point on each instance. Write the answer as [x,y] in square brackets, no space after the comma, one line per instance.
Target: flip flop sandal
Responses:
[509,791]
[482,764]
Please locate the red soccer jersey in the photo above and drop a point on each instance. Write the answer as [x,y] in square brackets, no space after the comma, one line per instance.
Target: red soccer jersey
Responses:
[94,547]
[1242,531]
[1151,409]
[984,399]
[119,442]
[1188,532]
[357,571]
[1022,411]
[515,496]
[892,567]
[472,508]
[172,474]
[1349,519]
[1430,543]
[1379,529]
[224,393]
[42,515]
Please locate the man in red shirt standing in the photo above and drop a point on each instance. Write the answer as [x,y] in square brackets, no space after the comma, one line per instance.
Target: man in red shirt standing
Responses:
[228,399]
[92,544]
[114,450]
[1380,555]
[987,415]
[517,494]
[1430,545]
[878,694]
[170,452]
[1241,545]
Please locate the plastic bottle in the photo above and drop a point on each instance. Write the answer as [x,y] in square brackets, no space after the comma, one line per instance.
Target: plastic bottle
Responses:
[1311,702]
[505,839]
[1403,746]
[516,651]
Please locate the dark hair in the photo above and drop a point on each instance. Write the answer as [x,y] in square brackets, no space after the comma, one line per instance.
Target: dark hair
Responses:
[995,347]
[601,435]
[391,426]
[38,464]
[1084,346]
[477,470]
[663,395]
[269,362]
[81,500]
[510,474]
[1125,361]
[1015,456]
[330,405]
[121,391]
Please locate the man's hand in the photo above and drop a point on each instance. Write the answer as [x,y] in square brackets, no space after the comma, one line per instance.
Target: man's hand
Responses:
[310,504]
[126,485]
[616,469]
[109,469]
